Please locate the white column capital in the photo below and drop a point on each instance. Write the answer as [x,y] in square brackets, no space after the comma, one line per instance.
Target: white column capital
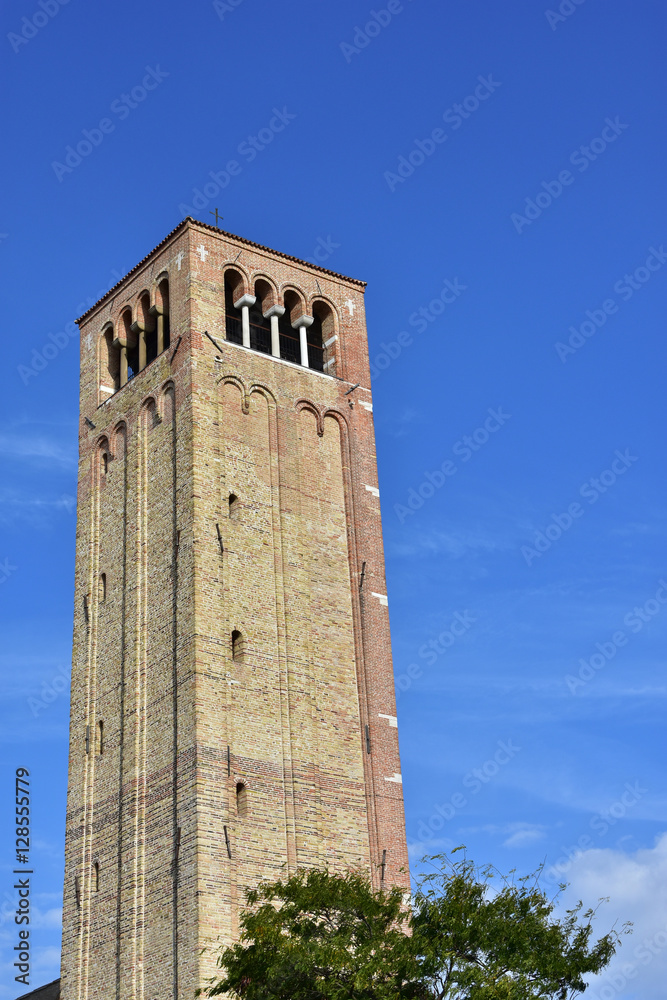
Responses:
[245,300]
[274,311]
[304,321]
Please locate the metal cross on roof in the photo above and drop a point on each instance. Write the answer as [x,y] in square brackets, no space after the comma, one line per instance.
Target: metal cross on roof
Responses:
[216,218]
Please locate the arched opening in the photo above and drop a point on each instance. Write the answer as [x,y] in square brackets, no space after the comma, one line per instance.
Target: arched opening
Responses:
[321,353]
[290,349]
[241,800]
[129,344]
[100,737]
[234,506]
[260,327]
[102,590]
[147,332]
[161,308]
[104,463]
[238,646]
[110,369]
[233,292]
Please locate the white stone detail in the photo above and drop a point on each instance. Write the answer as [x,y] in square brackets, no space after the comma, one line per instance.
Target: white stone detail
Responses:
[351,306]
[391,719]
[366,406]
[374,490]
[179,259]
[202,251]
[398,778]
[382,598]
[331,340]
[106,388]
[89,341]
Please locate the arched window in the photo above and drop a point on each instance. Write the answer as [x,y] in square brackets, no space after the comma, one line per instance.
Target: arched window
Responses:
[103,588]
[161,308]
[234,506]
[325,327]
[100,737]
[233,292]
[260,327]
[241,800]
[238,646]
[110,370]
[290,349]
[129,348]
[147,329]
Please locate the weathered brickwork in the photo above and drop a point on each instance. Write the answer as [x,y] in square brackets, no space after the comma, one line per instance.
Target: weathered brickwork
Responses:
[220,763]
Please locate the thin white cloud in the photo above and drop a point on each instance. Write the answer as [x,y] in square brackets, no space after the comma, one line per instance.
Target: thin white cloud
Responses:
[30,447]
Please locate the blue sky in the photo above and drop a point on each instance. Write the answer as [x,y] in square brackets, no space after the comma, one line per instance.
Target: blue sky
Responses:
[516,154]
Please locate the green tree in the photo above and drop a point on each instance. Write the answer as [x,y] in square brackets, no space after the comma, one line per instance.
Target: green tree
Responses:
[466,934]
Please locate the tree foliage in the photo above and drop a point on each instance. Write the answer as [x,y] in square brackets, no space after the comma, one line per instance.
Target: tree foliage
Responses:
[466,934]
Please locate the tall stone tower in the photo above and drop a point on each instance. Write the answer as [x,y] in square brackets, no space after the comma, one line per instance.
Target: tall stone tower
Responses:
[233,714]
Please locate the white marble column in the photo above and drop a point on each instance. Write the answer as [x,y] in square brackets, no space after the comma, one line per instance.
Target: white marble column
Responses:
[274,314]
[244,304]
[302,324]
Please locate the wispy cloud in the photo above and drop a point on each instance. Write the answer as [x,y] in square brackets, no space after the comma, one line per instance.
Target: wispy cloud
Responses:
[36,448]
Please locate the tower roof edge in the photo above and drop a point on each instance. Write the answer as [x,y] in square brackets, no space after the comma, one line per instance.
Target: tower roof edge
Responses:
[189,221]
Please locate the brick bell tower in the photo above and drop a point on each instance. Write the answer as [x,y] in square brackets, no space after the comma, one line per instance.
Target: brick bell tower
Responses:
[233,714]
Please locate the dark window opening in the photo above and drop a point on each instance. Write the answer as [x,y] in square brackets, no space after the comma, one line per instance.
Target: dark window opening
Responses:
[233,327]
[100,737]
[260,330]
[290,349]
[241,800]
[151,345]
[103,588]
[315,348]
[238,646]
[233,506]
[96,876]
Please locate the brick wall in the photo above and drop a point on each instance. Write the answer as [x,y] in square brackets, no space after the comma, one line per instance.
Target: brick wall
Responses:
[185,724]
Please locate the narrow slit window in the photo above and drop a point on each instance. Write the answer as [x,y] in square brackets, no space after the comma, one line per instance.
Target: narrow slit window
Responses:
[103,588]
[100,737]
[96,876]
[238,646]
[241,800]
[233,506]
